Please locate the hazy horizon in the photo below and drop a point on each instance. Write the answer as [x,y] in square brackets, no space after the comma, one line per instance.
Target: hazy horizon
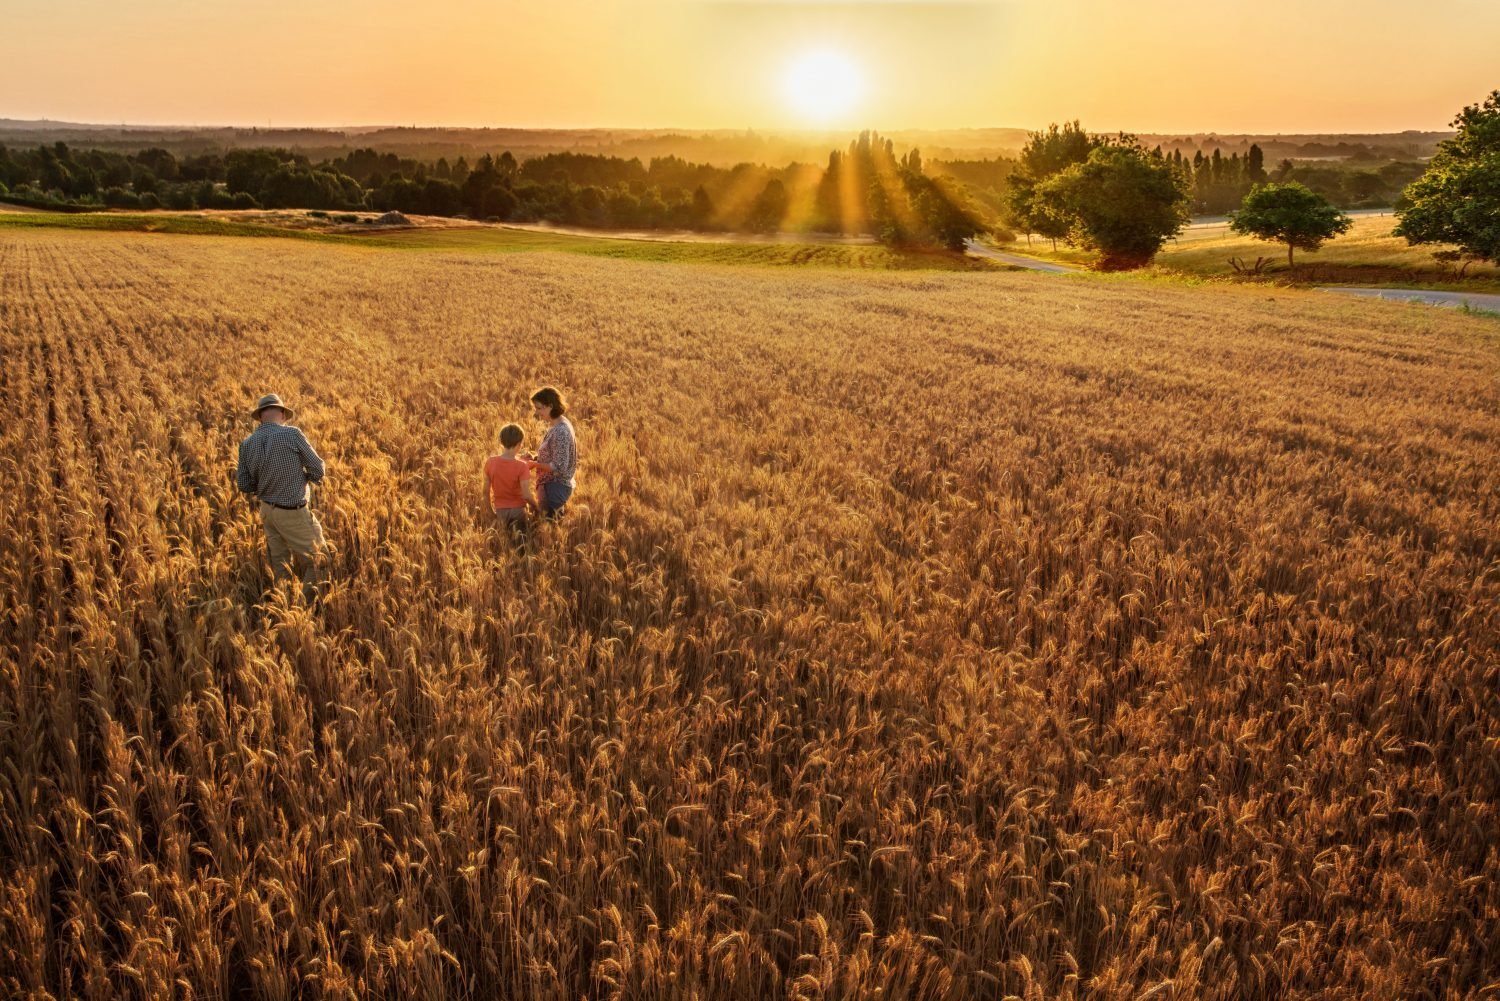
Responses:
[1156,67]
[798,131]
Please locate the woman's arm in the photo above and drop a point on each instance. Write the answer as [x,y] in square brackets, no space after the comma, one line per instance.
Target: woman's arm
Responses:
[560,452]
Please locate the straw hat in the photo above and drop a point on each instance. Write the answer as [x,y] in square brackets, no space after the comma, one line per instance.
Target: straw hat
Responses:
[270,400]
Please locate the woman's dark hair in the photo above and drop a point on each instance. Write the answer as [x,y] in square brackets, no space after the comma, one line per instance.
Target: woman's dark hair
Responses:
[550,398]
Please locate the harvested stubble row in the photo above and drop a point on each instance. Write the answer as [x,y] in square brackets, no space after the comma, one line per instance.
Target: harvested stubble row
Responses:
[943,636]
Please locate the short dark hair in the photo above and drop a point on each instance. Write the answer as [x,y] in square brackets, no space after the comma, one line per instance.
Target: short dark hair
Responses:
[511,435]
[550,398]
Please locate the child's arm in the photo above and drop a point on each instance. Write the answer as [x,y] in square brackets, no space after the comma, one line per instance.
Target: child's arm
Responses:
[528,493]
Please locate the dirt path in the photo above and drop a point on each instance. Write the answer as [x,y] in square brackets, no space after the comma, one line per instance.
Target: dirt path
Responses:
[1016,260]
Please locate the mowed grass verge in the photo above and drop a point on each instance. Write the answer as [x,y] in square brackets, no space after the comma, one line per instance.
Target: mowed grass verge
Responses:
[1368,255]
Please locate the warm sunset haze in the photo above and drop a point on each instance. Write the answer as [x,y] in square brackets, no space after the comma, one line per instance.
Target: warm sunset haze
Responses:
[1154,66]
[750,501]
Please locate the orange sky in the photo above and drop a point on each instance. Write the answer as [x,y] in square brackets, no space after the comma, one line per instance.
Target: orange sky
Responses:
[1140,65]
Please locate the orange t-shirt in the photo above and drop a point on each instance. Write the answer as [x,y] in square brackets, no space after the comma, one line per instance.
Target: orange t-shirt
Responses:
[506,476]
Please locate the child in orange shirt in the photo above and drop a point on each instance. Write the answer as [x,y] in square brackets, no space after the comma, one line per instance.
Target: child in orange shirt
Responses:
[509,481]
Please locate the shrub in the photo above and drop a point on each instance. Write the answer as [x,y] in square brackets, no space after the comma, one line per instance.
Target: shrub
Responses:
[1123,201]
[119,198]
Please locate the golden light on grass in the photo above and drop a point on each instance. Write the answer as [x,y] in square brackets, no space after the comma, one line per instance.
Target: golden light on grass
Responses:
[930,635]
[823,86]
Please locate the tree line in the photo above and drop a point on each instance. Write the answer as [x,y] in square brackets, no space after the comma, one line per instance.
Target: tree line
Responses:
[1108,194]
[864,190]
[1220,183]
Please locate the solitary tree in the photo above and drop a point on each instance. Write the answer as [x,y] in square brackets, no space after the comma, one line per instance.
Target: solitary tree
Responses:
[1458,199]
[1122,201]
[1291,214]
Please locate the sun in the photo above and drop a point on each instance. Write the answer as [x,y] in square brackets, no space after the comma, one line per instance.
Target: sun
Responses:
[822,85]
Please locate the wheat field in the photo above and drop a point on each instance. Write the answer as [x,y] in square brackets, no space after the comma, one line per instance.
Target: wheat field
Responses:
[926,635]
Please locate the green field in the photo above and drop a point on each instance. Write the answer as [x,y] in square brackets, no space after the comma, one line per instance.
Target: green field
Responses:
[494,239]
[1368,255]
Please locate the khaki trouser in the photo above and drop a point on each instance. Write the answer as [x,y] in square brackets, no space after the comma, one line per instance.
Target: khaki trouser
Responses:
[292,538]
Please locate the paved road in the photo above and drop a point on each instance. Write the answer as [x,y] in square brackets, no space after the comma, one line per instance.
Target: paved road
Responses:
[1029,263]
[1473,300]
[1201,221]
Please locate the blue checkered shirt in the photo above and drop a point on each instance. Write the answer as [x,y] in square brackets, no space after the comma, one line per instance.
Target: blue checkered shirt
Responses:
[277,464]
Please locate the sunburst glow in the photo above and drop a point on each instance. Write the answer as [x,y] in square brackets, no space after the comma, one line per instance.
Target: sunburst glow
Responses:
[823,85]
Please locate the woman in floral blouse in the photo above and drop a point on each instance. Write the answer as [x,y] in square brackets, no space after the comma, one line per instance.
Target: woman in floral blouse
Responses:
[557,456]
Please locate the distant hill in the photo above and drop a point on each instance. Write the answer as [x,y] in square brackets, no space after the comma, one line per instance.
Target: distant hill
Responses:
[721,147]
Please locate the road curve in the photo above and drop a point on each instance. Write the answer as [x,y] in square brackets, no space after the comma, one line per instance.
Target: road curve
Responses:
[1016,260]
[1474,300]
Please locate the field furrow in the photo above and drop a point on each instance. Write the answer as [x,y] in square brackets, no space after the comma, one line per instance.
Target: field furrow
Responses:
[925,635]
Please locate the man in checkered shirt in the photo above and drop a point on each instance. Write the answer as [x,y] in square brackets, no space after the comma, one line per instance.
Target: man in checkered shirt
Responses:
[276,465]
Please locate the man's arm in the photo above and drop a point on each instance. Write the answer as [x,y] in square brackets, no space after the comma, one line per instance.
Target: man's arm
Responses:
[244,477]
[311,463]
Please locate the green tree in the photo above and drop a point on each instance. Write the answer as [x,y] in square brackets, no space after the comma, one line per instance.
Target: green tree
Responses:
[1056,149]
[703,209]
[1255,168]
[440,197]
[653,210]
[1046,153]
[768,209]
[498,203]
[1025,212]
[160,162]
[946,217]
[1291,214]
[248,169]
[1457,200]
[828,216]
[1122,201]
